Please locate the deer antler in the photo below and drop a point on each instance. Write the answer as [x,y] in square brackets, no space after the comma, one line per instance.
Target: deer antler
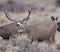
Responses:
[7,15]
[27,18]
[21,21]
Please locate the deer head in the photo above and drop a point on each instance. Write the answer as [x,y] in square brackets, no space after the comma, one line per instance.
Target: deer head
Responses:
[54,18]
[19,22]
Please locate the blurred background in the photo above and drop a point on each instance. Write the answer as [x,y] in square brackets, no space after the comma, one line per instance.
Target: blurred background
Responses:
[21,5]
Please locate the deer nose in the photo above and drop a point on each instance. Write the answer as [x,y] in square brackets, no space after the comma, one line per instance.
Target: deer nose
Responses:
[18,24]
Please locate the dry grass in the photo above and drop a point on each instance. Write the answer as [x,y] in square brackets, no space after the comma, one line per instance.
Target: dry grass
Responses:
[23,44]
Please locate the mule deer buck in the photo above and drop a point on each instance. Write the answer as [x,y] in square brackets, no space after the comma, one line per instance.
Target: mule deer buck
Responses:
[42,31]
[7,31]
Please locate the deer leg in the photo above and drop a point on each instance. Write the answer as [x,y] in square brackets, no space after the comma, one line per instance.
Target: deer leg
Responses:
[11,35]
[53,38]
[50,40]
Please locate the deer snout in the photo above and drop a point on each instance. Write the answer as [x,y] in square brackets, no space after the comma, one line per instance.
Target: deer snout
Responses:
[18,24]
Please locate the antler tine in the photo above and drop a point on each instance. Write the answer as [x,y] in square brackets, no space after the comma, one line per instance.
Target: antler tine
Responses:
[7,15]
[29,12]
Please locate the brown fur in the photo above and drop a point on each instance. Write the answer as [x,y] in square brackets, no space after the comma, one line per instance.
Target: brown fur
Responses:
[42,31]
[8,30]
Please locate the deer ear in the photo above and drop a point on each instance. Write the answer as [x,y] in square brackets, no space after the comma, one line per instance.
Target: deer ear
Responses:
[56,18]
[52,18]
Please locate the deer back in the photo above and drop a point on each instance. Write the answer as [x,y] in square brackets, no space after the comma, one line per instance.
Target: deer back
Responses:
[41,30]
